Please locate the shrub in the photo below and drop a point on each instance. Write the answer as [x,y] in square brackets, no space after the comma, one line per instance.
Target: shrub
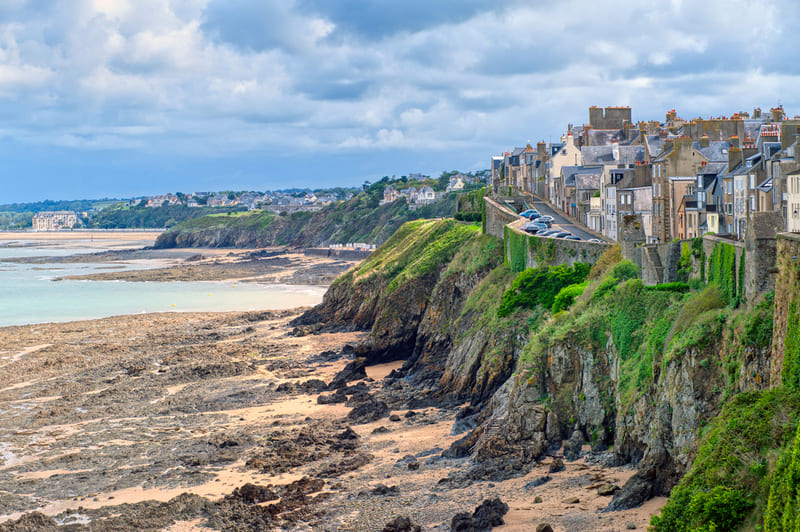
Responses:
[609,258]
[670,287]
[566,296]
[539,286]
[625,270]
[757,329]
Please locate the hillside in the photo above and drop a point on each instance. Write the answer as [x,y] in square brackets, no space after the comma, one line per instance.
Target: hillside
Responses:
[360,219]
[674,379]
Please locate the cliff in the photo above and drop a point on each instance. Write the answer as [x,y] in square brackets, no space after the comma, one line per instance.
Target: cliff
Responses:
[360,219]
[552,358]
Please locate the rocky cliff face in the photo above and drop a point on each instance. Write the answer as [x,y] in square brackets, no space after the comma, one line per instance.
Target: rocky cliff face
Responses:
[635,373]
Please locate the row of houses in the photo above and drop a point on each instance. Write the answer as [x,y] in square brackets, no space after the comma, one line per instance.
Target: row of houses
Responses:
[679,178]
[414,197]
[250,200]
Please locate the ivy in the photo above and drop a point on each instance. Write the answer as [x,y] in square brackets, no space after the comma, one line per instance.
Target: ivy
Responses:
[722,271]
[791,356]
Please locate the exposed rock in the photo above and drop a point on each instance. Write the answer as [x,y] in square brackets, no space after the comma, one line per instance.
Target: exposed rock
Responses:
[382,489]
[538,482]
[30,522]
[401,524]
[410,414]
[353,371]
[571,500]
[368,411]
[573,446]
[607,489]
[254,494]
[380,430]
[557,465]
[544,527]
[537,499]
[485,517]
[394,417]
[330,399]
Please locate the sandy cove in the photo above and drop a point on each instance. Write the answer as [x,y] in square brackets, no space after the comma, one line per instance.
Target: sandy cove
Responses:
[100,417]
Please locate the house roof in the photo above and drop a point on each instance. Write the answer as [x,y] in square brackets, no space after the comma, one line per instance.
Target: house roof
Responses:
[604,154]
[655,144]
[589,181]
[604,137]
[716,151]
[765,185]
[570,172]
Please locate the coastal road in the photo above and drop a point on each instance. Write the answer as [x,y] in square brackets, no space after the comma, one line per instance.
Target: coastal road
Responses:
[559,221]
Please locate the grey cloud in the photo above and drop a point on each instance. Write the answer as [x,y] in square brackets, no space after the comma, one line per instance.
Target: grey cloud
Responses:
[378,19]
[255,25]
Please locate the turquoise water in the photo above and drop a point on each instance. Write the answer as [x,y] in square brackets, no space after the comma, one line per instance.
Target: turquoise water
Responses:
[28,293]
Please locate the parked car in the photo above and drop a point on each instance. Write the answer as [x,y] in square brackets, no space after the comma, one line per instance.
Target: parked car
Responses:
[527,212]
[542,221]
[550,232]
[595,240]
[572,237]
[547,217]
[534,215]
[534,227]
[562,234]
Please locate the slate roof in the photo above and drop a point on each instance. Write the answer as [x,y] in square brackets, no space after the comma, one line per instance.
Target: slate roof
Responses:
[716,151]
[588,181]
[603,155]
[570,172]
[603,137]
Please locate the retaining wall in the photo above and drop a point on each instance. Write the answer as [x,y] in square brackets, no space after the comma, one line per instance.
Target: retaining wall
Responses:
[497,216]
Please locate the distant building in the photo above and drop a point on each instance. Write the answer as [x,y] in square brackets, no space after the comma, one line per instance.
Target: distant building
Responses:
[54,220]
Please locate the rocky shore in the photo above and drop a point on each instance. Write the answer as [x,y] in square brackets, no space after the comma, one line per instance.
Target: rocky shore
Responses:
[274,265]
[232,422]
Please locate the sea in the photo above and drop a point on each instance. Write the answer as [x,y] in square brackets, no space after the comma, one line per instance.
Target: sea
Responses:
[30,293]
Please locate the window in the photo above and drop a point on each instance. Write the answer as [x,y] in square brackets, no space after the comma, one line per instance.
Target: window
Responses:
[752,181]
[752,203]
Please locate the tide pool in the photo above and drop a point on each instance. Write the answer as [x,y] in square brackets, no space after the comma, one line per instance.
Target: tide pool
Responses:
[28,293]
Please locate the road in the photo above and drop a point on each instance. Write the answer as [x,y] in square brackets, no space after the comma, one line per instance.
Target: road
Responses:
[559,221]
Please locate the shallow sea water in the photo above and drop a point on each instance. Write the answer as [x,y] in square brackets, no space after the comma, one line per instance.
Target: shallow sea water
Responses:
[28,293]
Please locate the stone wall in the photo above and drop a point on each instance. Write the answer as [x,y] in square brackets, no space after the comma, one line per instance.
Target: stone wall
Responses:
[787,295]
[347,254]
[497,216]
[762,248]
[543,251]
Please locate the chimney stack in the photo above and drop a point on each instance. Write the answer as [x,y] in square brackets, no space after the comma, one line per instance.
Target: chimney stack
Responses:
[734,141]
[734,157]
[704,141]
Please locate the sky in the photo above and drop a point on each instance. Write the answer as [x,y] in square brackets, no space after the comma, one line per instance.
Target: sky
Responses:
[125,98]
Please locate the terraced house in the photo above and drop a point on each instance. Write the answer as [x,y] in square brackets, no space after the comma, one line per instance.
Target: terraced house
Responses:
[678,178]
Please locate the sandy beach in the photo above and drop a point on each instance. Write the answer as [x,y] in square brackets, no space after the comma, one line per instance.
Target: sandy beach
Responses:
[167,421]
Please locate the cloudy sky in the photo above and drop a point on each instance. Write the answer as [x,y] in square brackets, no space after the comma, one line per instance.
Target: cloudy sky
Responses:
[119,98]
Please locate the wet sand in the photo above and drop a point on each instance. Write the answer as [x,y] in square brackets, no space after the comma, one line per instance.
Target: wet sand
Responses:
[149,408]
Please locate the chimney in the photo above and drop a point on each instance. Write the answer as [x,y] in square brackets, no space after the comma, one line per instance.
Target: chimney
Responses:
[749,150]
[734,157]
[777,113]
[757,113]
[704,141]
[541,149]
[734,141]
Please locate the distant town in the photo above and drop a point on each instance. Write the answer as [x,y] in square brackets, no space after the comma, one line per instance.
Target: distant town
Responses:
[416,189]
